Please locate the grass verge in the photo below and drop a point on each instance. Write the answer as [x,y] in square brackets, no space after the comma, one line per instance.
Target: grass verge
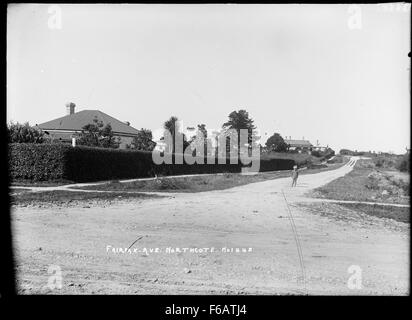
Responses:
[18,190]
[71,198]
[198,183]
[400,214]
[366,183]
[29,183]
[360,214]
[301,159]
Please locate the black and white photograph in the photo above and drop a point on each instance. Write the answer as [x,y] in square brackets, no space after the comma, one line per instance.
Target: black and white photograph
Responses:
[209,149]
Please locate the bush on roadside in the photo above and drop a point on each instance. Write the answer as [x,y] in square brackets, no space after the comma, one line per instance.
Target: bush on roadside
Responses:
[383,182]
[386,161]
[316,153]
[403,164]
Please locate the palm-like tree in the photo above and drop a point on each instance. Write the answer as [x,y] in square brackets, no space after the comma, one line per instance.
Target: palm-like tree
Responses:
[171,126]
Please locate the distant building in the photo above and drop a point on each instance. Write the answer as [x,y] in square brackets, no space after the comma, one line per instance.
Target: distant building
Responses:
[318,147]
[299,145]
[65,128]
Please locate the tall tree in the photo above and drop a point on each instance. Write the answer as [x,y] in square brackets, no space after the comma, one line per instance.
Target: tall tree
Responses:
[172,126]
[240,120]
[276,143]
[143,140]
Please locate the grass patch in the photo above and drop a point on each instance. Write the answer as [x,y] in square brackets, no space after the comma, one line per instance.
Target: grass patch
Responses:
[362,214]
[17,190]
[400,214]
[338,159]
[30,183]
[301,159]
[188,184]
[62,197]
[199,183]
[366,183]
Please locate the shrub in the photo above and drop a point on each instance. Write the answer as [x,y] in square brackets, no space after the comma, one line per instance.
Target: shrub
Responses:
[40,162]
[374,180]
[329,153]
[316,153]
[143,141]
[276,143]
[324,155]
[403,164]
[389,162]
[24,133]
[97,134]
[379,163]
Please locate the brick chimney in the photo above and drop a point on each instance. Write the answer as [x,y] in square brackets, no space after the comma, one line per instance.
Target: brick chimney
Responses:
[70,108]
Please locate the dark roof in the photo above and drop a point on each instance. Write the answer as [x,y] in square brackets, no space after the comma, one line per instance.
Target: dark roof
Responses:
[298,143]
[76,121]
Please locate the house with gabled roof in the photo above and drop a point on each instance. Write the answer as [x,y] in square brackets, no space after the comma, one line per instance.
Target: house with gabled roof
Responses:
[300,145]
[69,126]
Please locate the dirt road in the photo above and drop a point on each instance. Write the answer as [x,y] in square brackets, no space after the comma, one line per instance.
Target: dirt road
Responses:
[308,254]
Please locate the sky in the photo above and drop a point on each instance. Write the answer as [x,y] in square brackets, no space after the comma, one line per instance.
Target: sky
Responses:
[336,74]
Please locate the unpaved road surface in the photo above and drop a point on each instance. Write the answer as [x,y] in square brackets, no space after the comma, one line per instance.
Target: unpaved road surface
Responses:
[309,254]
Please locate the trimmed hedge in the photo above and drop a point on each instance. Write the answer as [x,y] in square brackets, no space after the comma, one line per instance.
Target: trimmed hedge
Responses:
[37,162]
[42,162]
[276,164]
[91,164]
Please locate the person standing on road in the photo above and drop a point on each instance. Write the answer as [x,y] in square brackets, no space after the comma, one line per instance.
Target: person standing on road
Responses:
[295,174]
